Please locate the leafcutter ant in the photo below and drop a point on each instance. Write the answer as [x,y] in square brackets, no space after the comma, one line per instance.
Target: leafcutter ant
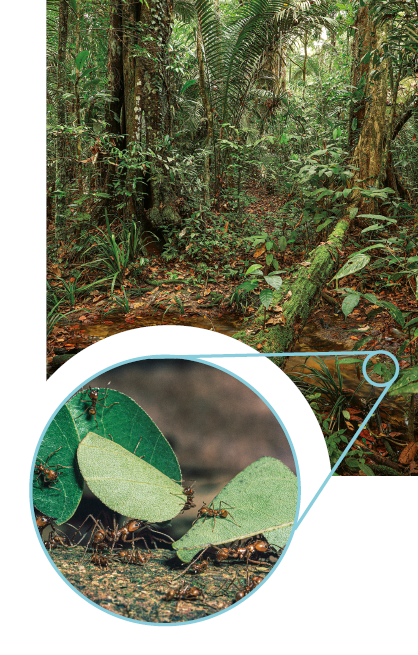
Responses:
[93,395]
[208,511]
[189,493]
[133,556]
[255,548]
[110,536]
[255,580]
[100,560]
[185,592]
[50,474]
[198,567]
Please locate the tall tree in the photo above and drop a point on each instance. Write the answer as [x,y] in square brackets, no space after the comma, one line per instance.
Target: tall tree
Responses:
[60,166]
[146,31]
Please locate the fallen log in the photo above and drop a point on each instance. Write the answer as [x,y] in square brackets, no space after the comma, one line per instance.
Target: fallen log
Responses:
[297,297]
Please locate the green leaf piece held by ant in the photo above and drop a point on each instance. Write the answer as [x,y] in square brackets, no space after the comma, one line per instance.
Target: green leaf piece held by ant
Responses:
[58,498]
[126,483]
[262,499]
[130,427]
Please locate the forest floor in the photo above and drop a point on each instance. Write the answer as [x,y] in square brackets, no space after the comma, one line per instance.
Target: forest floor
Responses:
[138,592]
[171,293]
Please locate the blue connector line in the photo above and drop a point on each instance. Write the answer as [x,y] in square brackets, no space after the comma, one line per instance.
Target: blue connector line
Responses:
[385,385]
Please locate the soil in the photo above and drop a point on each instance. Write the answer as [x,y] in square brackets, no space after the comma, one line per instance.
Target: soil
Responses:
[137,592]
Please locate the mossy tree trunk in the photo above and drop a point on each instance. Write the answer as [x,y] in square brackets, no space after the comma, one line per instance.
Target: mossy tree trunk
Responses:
[146,31]
[60,165]
[300,292]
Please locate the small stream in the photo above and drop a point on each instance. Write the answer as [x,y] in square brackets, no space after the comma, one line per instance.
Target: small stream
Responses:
[312,339]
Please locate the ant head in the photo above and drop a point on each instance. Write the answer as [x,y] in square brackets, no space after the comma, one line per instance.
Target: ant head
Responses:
[135,525]
[42,521]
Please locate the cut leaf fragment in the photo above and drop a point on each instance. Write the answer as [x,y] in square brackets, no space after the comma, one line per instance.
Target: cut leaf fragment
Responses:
[262,499]
[130,427]
[126,483]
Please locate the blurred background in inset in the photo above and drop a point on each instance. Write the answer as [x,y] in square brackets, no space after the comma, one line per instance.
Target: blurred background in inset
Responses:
[215,424]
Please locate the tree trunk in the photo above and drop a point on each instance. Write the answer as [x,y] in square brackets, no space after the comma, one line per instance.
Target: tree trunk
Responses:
[60,166]
[147,29]
[115,118]
[299,293]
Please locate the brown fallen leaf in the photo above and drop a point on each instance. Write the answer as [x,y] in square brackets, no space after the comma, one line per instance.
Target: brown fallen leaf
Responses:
[275,320]
[408,453]
[260,250]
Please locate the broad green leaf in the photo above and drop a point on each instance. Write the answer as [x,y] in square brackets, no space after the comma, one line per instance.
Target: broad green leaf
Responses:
[274,281]
[353,265]
[262,499]
[282,243]
[129,426]
[248,285]
[81,59]
[266,296]
[366,469]
[349,302]
[60,499]
[406,383]
[126,483]
[253,268]
[346,414]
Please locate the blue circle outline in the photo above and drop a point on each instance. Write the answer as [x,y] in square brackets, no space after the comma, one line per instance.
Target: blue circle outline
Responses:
[200,360]
[380,384]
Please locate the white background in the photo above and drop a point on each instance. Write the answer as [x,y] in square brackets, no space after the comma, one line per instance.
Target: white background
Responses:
[347,583]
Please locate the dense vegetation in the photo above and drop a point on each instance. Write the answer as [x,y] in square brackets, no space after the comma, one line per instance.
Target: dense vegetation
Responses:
[251,152]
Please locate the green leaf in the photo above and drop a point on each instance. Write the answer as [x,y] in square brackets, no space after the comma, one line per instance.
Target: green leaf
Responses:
[274,281]
[81,59]
[346,414]
[266,296]
[406,383]
[282,243]
[324,225]
[128,423]
[252,269]
[414,321]
[366,469]
[349,360]
[126,483]
[394,311]
[186,86]
[375,226]
[60,499]
[354,264]
[262,499]
[349,302]
[249,285]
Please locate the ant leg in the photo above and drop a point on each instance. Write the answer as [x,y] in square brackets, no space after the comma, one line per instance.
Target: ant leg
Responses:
[53,452]
[194,560]
[229,514]
[137,445]
[87,408]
